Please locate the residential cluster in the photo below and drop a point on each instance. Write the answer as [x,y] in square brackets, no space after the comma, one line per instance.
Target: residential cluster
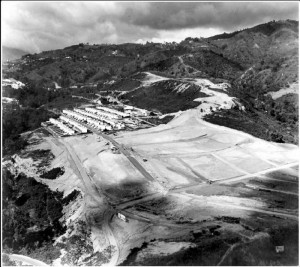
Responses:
[100,118]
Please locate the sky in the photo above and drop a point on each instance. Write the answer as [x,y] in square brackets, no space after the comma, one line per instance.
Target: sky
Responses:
[40,26]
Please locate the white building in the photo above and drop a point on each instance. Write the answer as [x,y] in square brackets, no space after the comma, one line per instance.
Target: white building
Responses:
[76,115]
[97,117]
[136,111]
[74,123]
[103,113]
[98,124]
[63,127]
[119,113]
[122,217]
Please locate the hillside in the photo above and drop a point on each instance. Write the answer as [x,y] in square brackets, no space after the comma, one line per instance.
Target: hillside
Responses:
[9,53]
[256,62]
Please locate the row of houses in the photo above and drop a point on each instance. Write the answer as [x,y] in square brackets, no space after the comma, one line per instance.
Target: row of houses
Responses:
[74,123]
[104,117]
[113,111]
[62,126]
[100,118]
[103,113]
[101,123]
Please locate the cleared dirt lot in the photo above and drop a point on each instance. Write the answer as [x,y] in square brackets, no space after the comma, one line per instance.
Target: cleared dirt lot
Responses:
[188,149]
[111,173]
[224,193]
[220,179]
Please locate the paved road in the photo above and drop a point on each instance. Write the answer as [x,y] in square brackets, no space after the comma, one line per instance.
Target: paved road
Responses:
[27,260]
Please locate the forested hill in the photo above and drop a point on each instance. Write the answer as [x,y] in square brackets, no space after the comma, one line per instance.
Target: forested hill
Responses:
[260,63]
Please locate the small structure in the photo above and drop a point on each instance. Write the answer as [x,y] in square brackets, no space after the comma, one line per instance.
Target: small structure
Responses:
[136,111]
[279,249]
[110,110]
[114,149]
[122,217]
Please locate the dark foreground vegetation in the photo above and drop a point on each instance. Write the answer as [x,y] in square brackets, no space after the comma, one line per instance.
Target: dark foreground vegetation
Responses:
[53,173]
[268,120]
[31,217]
[211,245]
[161,96]
[31,213]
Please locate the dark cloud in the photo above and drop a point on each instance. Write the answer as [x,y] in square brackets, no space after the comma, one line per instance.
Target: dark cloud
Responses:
[36,26]
[222,15]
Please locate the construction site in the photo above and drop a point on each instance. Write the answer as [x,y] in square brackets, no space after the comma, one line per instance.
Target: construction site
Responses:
[183,186]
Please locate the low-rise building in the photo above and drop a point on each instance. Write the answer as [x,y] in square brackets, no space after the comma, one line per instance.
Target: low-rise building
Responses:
[63,127]
[136,111]
[119,113]
[103,113]
[74,123]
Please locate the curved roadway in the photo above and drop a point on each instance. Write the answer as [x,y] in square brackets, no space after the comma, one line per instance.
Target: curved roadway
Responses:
[26,259]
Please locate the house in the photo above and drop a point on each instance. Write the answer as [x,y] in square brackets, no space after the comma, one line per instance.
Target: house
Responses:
[279,249]
[122,217]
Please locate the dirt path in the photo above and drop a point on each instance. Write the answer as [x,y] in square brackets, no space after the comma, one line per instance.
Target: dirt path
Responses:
[93,192]
[233,179]
[112,240]
[126,153]
[234,206]
[227,253]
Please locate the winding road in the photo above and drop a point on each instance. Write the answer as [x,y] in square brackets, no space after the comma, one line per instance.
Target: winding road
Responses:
[27,260]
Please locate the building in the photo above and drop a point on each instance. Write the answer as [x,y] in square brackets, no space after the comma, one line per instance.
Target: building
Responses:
[279,249]
[63,127]
[103,113]
[136,111]
[98,124]
[97,117]
[122,217]
[77,125]
[76,115]
[119,113]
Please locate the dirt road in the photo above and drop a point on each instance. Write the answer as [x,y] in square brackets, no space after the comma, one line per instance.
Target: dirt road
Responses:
[27,260]
[93,192]
[126,153]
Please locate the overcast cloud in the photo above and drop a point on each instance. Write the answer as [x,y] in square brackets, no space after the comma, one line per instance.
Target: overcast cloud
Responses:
[38,26]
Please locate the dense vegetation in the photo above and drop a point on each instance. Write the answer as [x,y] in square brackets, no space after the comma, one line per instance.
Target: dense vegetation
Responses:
[18,121]
[281,128]
[31,213]
[162,97]
[31,217]
[53,173]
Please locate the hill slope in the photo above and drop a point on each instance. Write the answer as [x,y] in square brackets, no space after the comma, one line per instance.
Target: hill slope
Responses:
[9,53]
[256,62]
